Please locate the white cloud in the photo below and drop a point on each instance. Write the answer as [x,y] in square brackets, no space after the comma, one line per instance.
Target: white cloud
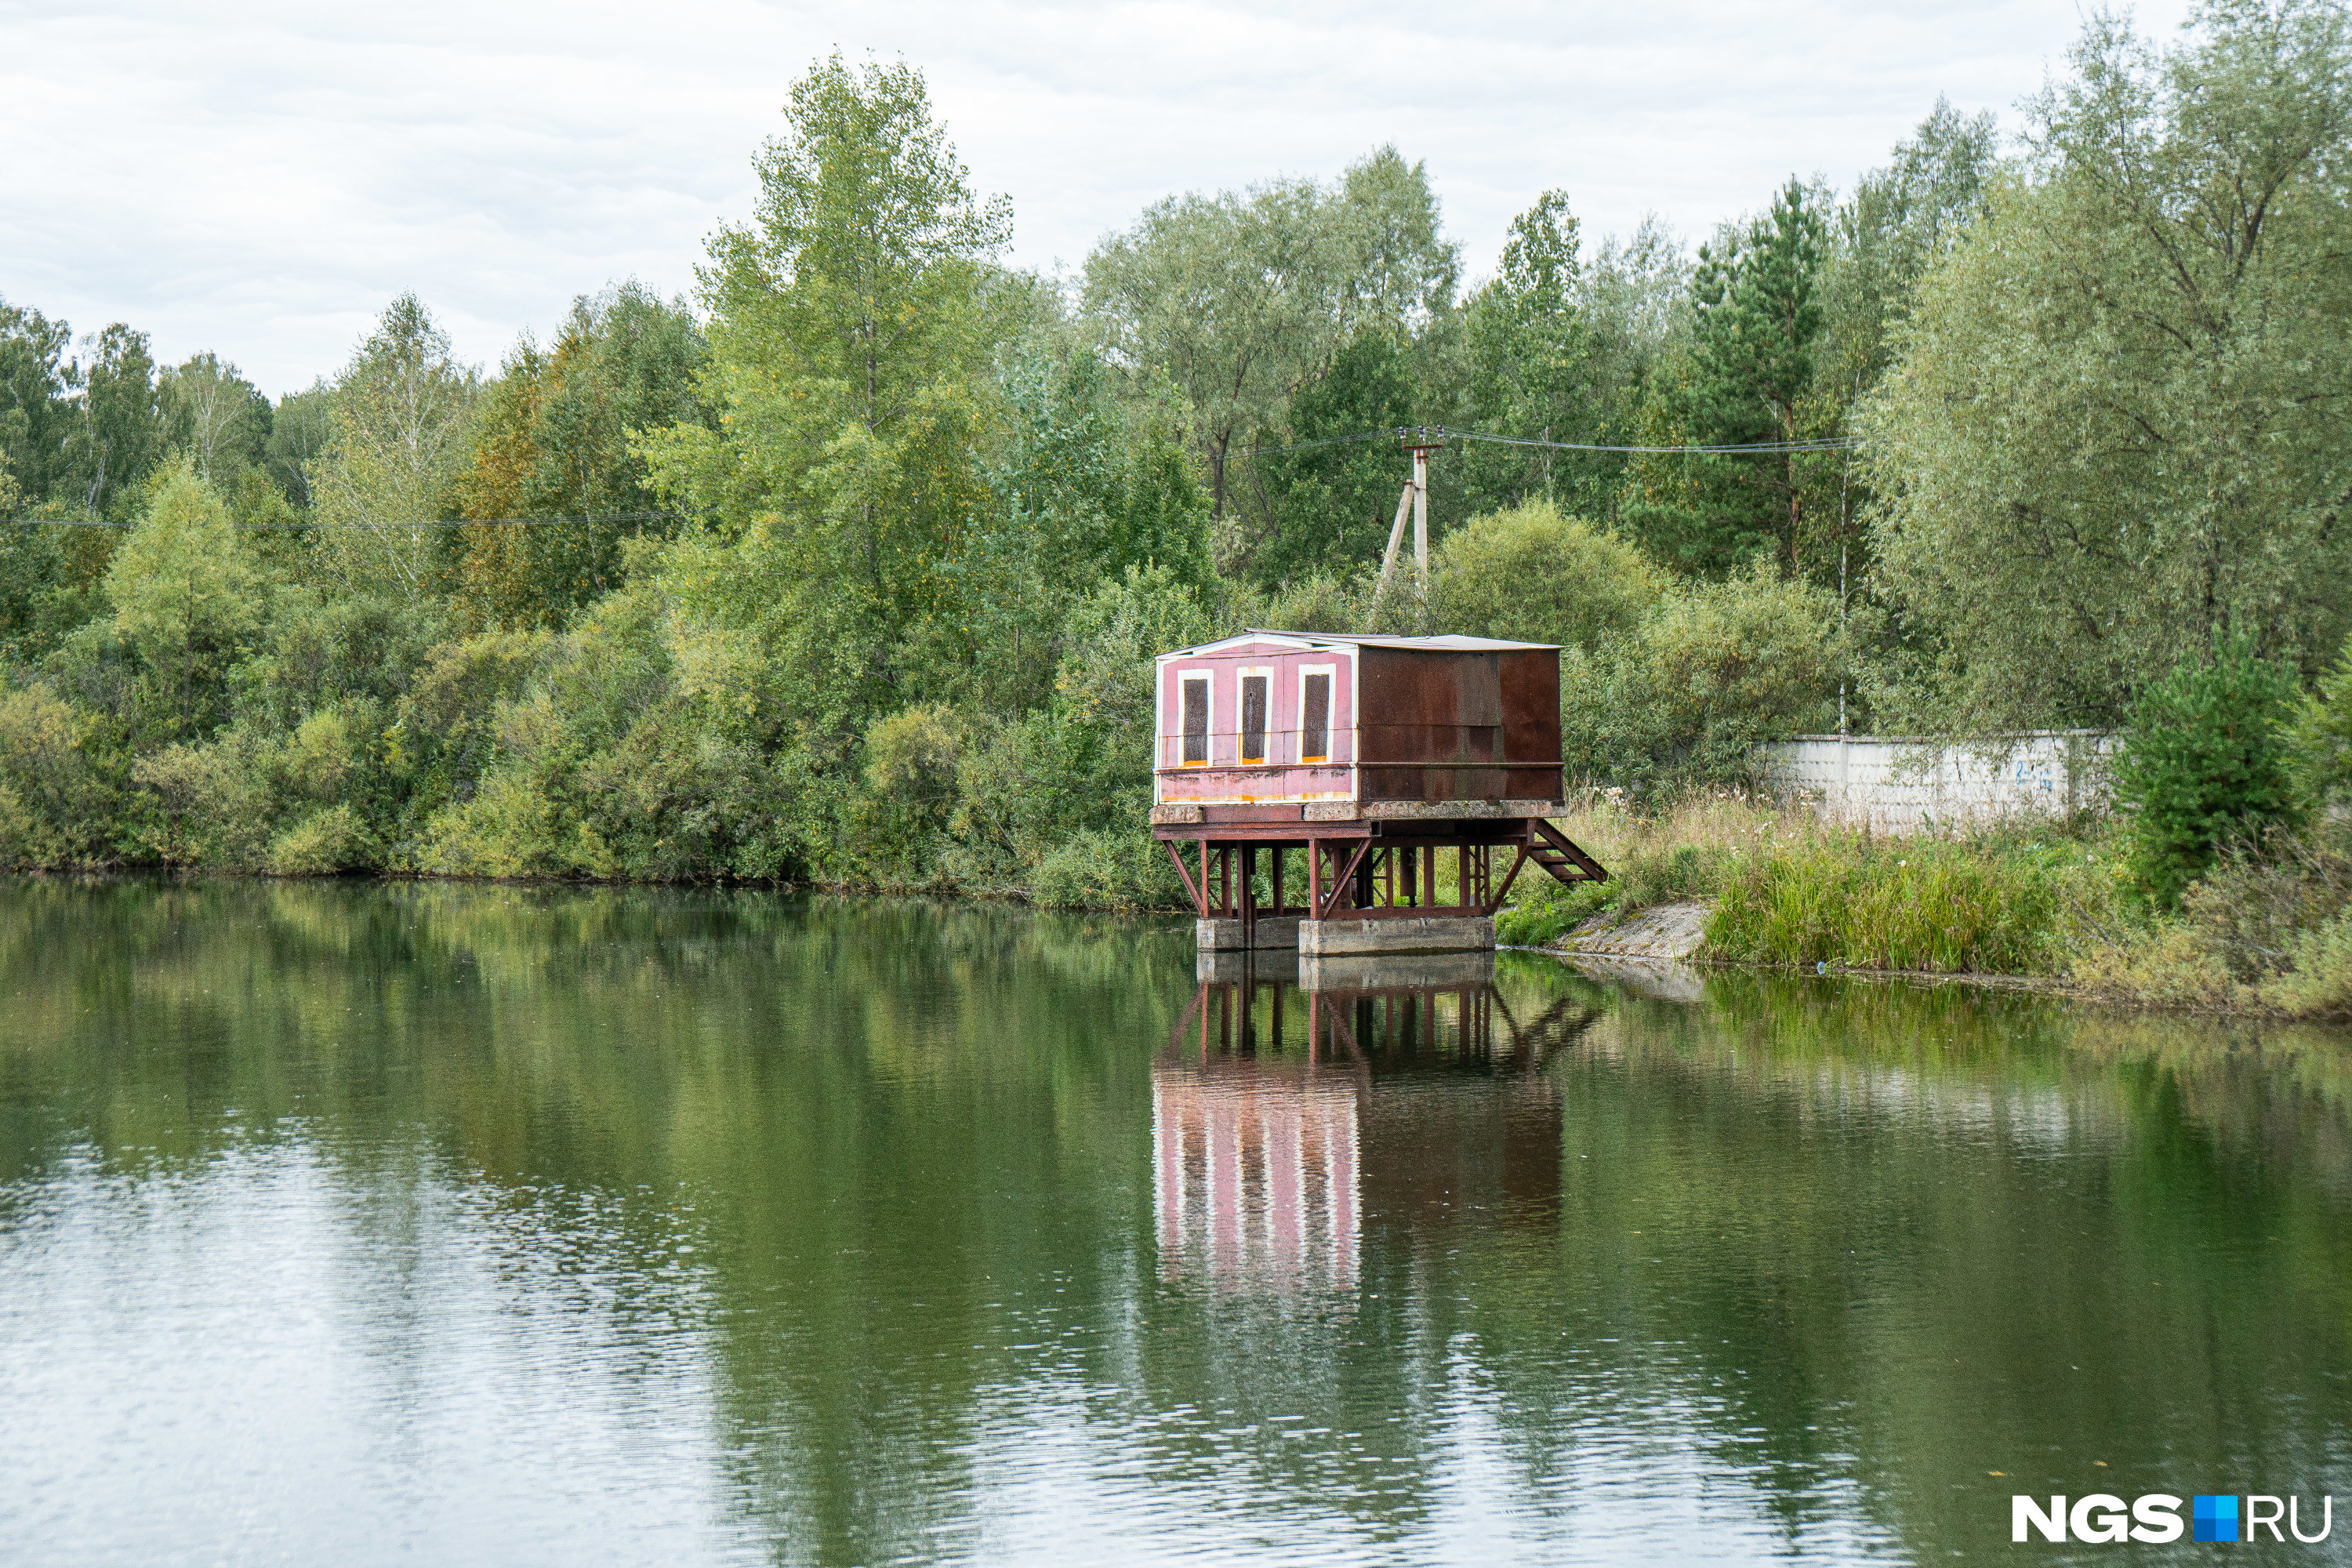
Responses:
[258,179]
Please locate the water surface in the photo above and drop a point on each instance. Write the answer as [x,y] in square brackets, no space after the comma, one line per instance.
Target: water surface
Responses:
[363,1222]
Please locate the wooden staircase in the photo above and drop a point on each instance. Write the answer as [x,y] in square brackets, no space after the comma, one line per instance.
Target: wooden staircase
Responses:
[1556,853]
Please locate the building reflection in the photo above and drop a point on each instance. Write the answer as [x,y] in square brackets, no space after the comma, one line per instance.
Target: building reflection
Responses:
[1294,1108]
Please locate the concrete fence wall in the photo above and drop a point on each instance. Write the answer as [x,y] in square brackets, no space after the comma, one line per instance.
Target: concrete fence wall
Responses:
[1897,784]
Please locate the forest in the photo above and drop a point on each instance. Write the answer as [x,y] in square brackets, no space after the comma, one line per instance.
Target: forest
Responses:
[847,570]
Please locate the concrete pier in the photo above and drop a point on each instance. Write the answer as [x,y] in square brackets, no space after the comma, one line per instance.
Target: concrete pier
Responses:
[1433,934]
[1223,934]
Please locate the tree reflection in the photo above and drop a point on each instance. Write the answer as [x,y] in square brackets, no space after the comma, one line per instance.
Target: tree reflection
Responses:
[886,1193]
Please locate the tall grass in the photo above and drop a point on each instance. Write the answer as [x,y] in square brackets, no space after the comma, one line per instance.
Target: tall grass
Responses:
[1790,888]
[1968,906]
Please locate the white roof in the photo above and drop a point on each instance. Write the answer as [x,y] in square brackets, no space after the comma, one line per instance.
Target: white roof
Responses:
[1451,643]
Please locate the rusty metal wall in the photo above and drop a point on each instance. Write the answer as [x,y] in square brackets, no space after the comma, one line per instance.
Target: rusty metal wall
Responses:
[1442,725]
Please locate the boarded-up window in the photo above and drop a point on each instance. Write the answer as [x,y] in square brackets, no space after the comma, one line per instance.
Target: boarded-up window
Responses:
[1254,717]
[1196,719]
[1315,719]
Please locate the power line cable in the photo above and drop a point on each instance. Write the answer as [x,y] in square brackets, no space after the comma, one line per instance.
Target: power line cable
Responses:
[421,523]
[1741,449]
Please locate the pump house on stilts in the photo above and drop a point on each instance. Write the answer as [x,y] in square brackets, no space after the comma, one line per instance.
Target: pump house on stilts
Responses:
[1394,763]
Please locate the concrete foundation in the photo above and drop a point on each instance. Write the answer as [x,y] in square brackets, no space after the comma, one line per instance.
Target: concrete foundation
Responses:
[1433,934]
[1394,971]
[1224,935]
[1258,965]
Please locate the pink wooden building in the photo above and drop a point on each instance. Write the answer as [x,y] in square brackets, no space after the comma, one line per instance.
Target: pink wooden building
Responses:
[1372,754]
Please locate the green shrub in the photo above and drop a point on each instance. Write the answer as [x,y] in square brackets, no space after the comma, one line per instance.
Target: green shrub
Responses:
[2319,980]
[2205,758]
[1551,913]
[54,806]
[1712,671]
[2265,929]
[1113,868]
[2320,738]
[1533,576]
[329,840]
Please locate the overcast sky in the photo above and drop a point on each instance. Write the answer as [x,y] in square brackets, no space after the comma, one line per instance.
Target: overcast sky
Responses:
[258,179]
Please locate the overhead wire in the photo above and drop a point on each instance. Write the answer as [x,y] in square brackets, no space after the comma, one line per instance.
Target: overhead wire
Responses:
[420,522]
[1446,433]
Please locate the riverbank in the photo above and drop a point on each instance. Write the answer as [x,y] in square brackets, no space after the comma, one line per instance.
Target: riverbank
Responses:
[1747,881]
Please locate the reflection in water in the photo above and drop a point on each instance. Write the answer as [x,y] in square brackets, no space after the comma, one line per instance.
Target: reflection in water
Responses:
[362,1223]
[1257,1168]
[1274,1083]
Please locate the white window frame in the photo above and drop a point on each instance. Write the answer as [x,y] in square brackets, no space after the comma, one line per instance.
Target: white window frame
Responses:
[1241,678]
[1331,716]
[1208,677]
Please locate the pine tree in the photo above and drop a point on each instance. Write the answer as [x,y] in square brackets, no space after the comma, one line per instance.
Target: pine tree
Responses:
[1759,315]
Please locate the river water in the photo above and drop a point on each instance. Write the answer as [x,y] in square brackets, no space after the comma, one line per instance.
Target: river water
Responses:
[361,1224]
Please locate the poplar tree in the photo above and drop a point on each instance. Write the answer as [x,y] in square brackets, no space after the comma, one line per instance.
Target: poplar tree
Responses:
[402,415]
[850,335]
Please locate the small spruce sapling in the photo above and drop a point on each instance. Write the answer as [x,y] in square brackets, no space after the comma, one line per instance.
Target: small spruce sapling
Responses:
[2205,758]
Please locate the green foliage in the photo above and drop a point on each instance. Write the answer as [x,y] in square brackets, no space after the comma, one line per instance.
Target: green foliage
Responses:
[184,595]
[1240,299]
[218,417]
[55,806]
[1533,576]
[555,442]
[911,765]
[123,430]
[2114,430]
[35,413]
[1746,376]
[1550,912]
[1531,373]
[1082,487]
[1322,602]
[2205,758]
[300,429]
[2317,982]
[2264,931]
[1330,507]
[2319,739]
[1946,905]
[850,338]
[402,415]
[1712,671]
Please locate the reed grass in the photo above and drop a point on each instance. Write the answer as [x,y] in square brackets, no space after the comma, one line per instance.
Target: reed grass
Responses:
[1790,889]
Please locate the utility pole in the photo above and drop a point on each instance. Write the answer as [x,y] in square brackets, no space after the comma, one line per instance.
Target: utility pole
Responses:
[1421,443]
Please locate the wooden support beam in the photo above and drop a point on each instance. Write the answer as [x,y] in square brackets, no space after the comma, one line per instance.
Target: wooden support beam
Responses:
[1249,894]
[1200,898]
[1341,883]
[1495,898]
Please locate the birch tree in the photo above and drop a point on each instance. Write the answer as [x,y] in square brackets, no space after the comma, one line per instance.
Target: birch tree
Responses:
[402,410]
